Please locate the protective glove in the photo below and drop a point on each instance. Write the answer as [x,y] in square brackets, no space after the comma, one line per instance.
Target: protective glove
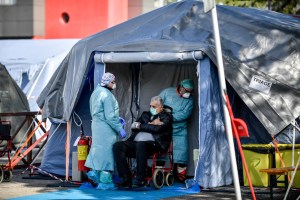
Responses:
[123,133]
[122,121]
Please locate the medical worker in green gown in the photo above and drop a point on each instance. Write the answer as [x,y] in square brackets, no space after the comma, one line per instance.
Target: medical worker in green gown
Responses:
[106,127]
[181,101]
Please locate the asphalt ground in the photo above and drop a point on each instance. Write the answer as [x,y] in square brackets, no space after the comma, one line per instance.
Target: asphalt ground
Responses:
[24,184]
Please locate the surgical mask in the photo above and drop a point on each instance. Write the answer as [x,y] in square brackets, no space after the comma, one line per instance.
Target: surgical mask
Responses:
[114,86]
[186,95]
[153,111]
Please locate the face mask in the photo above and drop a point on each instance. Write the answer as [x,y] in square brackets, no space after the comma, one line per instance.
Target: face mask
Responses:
[186,95]
[153,111]
[114,86]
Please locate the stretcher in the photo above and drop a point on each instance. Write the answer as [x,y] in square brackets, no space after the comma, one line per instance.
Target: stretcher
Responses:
[24,150]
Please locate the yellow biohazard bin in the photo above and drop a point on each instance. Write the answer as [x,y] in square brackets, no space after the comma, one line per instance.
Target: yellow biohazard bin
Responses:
[286,155]
[257,156]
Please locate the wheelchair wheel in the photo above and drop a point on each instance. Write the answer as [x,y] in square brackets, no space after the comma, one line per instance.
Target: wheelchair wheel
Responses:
[7,176]
[158,178]
[1,174]
[169,179]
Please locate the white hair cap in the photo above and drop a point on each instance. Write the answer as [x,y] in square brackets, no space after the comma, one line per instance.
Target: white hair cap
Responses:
[107,78]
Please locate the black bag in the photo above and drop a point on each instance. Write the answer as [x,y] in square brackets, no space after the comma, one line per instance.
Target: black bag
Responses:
[5,131]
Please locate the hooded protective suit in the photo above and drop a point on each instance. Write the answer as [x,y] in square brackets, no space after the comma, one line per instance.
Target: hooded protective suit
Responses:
[182,109]
[105,129]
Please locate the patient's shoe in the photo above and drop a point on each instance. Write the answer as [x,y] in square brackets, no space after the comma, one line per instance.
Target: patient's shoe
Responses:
[181,173]
[138,183]
[126,183]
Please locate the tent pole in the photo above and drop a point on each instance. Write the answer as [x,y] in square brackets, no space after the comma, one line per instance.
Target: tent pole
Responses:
[292,180]
[293,147]
[68,149]
[223,93]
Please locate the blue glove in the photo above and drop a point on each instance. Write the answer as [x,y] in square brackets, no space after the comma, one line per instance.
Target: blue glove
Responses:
[123,133]
[122,121]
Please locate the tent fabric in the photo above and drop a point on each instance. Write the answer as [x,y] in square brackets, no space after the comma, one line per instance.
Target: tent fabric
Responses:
[40,79]
[212,137]
[12,97]
[20,56]
[12,100]
[255,42]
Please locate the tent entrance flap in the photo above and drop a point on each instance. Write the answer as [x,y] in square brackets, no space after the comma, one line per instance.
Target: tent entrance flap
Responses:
[126,57]
[98,72]
[212,169]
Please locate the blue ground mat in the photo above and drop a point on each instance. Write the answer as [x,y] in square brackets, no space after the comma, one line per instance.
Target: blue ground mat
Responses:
[145,193]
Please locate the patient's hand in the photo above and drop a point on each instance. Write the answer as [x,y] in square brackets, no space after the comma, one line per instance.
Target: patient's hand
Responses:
[135,125]
[156,122]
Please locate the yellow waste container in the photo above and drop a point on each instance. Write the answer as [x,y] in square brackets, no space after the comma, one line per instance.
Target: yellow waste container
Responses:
[286,154]
[257,156]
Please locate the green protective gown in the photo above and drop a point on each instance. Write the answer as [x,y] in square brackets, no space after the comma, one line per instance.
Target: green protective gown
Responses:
[105,129]
[182,109]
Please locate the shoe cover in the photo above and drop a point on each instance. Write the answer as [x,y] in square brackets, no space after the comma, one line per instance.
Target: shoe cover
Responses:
[192,185]
[104,186]
[86,185]
[94,176]
[105,177]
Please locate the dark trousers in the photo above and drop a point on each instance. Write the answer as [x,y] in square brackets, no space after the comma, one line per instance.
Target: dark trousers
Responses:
[131,149]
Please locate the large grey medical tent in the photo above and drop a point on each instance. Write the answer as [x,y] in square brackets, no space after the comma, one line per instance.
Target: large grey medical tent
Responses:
[157,50]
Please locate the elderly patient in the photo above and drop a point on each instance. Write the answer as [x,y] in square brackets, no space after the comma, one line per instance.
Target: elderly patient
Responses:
[152,132]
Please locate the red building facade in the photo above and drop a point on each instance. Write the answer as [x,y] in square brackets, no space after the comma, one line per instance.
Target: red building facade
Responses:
[55,19]
[81,18]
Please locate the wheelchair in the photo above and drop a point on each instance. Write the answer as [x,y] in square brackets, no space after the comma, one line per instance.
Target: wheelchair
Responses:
[159,169]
